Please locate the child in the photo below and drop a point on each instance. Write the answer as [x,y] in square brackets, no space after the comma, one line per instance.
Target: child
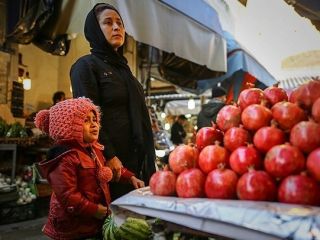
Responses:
[76,170]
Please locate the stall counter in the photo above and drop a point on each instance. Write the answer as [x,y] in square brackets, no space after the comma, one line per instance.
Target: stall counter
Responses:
[233,219]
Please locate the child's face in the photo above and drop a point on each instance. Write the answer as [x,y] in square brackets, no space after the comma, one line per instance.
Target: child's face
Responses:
[90,128]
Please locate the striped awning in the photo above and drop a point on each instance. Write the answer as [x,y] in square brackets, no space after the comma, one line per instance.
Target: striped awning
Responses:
[294,82]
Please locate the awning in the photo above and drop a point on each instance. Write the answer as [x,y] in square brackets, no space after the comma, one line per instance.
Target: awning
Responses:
[239,60]
[167,26]
[179,107]
[294,82]
[308,9]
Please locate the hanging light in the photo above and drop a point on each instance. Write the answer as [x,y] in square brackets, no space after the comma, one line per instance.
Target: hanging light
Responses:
[27,82]
[191,103]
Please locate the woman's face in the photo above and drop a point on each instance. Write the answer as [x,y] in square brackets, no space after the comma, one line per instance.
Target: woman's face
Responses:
[90,128]
[112,27]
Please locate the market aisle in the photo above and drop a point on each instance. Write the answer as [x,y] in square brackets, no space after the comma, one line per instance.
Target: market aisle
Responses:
[27,230]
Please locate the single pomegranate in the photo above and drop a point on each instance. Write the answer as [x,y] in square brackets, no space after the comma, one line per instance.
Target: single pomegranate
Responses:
[208,136]
[306,136]
[221,183]
[190,183]
[299,189]
[256,116]
[163,183]
[236,137]
[287,114]
[244,158]
[316,110]
[284,160]
[211,156]
[275,95]
[229,116]
[267,137]
[183,157]
[306,94]
[313,164]
[251,96]
[256,186]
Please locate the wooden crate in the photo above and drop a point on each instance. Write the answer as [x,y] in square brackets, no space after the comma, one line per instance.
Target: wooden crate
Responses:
[43,189]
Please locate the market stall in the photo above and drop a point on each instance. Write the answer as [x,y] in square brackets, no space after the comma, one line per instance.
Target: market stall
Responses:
[227,218]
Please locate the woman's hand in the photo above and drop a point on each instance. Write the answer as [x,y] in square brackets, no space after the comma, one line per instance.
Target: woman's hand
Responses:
[102,212]
[136,182]
[115,165]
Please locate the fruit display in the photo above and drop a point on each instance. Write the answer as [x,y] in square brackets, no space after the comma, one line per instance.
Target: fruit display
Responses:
[132,229]
[264,148]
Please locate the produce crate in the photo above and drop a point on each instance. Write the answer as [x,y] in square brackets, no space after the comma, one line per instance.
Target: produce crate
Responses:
[23,141]
[42,189]
[12,212]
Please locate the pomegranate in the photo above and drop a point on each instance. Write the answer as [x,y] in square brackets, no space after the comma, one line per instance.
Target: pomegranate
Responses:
[251,96]
[211,156]
[306,94]
[299,189]
[221,183]
[313,164]
[316,110]
[256,186]
[275,95]
[183,157]
[163,183]
[244,158]
[190,183]
[256,116]
[229,116]
[208,136]
[287,114]
[306,136]
[267,137]
[284,160]
[236,137]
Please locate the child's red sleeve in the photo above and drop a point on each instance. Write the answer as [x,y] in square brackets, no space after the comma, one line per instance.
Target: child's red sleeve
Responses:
[125,175]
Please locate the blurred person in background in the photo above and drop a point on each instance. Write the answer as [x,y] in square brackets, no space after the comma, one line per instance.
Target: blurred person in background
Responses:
[177,130]
[209,111]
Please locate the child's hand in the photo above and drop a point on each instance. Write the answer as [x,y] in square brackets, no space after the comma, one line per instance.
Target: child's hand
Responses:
[115,165]
[102,212]
[137,183]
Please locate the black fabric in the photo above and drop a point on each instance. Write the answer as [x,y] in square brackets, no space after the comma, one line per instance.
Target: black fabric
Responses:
[56,150]
[177,133]
[105,77]
[209,113]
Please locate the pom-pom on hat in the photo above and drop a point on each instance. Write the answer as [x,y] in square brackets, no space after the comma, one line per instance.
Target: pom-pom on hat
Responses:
[64,121]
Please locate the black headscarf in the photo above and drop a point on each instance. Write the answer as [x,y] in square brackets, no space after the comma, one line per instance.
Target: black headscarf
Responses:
[139,116]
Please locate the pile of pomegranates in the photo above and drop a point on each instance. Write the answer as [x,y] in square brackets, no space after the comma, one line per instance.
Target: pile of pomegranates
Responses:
[264,148]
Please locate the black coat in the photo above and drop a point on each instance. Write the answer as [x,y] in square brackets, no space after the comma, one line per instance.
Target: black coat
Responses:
[126,132]
[209,113]
[177,133]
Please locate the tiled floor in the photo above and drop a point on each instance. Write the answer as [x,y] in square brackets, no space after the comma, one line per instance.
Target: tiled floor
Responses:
[27,230]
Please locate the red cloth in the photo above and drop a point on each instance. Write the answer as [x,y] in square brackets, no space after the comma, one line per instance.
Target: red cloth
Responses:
[77,192]
[246,82]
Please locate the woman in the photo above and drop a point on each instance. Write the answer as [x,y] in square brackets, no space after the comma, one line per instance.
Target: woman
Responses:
[105,77]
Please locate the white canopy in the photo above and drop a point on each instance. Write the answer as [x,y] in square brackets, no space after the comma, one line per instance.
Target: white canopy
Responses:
[156,24]
[180,107]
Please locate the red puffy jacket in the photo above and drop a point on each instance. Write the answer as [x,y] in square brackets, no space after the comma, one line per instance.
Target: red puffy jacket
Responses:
[76,193]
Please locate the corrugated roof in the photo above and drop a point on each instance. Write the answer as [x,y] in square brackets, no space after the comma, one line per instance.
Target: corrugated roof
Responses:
[294,82]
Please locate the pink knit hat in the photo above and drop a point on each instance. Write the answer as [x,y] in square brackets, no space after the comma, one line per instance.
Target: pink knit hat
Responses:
[64,120]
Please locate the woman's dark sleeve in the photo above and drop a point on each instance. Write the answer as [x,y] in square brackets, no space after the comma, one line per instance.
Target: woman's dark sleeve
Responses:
[84,84]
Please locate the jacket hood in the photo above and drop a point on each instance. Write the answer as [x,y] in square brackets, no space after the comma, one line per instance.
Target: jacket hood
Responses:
[58,151]
[210,109]
[53,157]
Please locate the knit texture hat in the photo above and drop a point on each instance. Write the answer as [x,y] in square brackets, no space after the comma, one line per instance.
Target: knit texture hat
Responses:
[64,121]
